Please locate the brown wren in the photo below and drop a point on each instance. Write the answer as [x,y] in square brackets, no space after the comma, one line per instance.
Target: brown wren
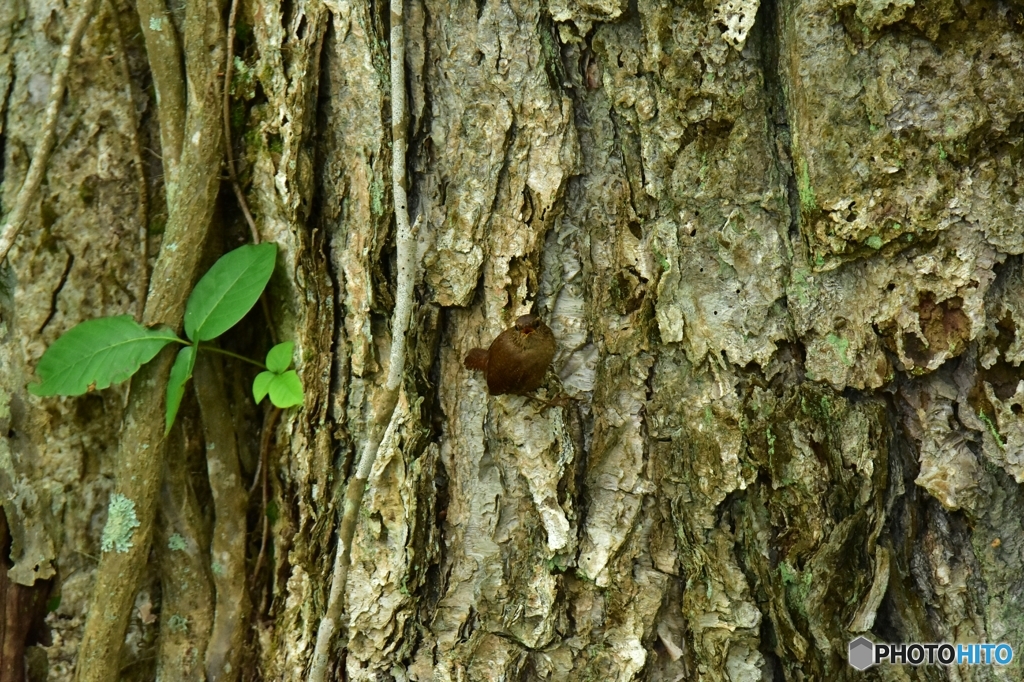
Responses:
[518,358]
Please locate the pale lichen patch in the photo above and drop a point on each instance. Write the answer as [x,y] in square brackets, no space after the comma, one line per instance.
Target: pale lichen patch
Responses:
[121,524]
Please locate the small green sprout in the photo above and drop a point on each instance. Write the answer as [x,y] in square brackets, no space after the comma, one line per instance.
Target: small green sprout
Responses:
[283,385]
[107,350]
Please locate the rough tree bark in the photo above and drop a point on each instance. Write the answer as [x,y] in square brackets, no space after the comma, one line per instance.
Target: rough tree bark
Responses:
[780,246]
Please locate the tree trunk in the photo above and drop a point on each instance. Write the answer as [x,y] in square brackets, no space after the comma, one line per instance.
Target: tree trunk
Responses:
[779,246]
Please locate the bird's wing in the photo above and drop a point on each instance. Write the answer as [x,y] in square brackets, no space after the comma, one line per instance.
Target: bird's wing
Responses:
[476,359]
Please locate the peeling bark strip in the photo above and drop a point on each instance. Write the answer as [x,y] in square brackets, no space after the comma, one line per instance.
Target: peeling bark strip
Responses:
[21,611]
[778,244]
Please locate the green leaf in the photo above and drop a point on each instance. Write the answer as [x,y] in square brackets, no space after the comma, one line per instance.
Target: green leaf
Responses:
[261,384]
[97,353]
[180,373]
[280,357]
[286,390]
[229,290]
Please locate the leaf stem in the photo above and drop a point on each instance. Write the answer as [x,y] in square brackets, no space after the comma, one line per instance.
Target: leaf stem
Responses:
[236,356]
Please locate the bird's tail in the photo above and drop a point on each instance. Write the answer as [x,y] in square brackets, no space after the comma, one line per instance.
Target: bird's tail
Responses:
[476,359]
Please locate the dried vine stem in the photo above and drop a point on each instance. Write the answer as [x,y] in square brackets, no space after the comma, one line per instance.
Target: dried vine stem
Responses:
[186,587]
[227,544]
[164,51]
[228,152]
[229,159]
[142,279]
[41,156]
[229,155]
[384,405]
[261,479]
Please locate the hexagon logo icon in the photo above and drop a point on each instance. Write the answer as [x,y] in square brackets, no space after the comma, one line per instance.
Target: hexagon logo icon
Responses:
[862,653]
